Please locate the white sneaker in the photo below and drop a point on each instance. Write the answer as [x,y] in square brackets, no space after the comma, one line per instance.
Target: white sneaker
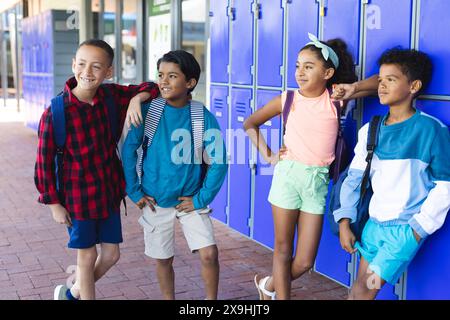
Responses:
[60,292]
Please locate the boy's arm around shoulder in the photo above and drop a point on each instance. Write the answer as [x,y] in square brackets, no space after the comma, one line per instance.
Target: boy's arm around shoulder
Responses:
[355,90]
[218,165]
[44,175]
[131,144]
[437,204]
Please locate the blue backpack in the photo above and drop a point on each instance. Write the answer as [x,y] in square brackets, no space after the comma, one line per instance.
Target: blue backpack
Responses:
[366,187]
[59,131]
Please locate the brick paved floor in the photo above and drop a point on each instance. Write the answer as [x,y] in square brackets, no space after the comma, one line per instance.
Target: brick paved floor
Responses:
[34,256]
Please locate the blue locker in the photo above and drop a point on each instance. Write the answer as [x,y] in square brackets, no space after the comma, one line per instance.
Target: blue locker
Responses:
[341,20]
[331,259]
[388,290]
[270,42]
[435,41]
[303,17]
[388,24]
[220,59]
[242,42]
[263,231]
[428,275]
[240,173]
[219,108]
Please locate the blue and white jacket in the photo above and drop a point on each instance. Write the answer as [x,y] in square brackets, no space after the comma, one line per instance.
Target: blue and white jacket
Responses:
[410,175]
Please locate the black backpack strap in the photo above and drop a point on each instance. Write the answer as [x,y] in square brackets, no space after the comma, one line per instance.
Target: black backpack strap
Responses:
[287,108]
[372,140]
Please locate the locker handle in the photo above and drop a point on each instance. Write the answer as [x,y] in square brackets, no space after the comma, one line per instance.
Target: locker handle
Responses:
[233,14]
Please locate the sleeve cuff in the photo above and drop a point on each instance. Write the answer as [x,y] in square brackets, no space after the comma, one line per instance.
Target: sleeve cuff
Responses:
[341,214]
[196,203]
[49,198]
[418,228]
[136,196]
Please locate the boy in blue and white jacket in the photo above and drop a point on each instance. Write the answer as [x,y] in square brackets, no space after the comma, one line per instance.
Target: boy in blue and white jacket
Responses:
[410,177]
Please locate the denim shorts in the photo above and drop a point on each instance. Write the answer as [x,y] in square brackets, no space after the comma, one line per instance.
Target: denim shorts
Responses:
[298,186]
[87,233]
[388,249]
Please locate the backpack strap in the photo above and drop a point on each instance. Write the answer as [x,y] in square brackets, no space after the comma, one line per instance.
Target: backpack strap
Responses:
[198,130]
[59,135]
[112,113]
[372,140]
[339,111]
[287,108]
[152,118]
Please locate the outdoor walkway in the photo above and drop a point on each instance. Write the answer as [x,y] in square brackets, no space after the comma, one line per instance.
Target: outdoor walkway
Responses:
[34,256]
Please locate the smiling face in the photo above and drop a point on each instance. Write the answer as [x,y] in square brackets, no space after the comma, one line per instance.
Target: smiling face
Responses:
[310,73]
[173,84]
[394,87]
[91,66]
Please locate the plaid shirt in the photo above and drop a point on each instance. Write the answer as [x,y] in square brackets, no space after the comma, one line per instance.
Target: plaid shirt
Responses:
[93,181]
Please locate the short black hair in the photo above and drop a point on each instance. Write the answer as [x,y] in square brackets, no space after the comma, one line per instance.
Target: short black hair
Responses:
[102,45]
[414,64]
[187,62]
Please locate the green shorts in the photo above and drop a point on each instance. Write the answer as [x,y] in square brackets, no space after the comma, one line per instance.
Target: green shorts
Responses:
[298,186]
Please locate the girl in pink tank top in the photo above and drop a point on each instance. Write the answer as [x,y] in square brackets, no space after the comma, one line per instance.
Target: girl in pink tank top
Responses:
[300,180]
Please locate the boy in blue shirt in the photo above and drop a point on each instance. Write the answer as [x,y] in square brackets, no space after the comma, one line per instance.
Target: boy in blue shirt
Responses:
[174,184]
[410,176]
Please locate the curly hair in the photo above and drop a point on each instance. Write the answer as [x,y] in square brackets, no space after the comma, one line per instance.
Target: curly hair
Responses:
[414,64]
[345,73]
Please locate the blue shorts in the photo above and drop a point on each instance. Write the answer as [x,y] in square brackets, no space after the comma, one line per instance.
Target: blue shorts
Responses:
[87,233]
[388,249]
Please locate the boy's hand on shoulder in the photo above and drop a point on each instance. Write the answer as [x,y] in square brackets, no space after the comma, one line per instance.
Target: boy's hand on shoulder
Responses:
[346,236]
[186,204]
[343,91]
[61,215]
[147,200]
[134,114]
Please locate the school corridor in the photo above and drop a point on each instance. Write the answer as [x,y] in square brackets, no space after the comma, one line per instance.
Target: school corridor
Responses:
[34,257]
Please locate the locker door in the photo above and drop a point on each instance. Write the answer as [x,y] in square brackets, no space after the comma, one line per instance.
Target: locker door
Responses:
[332,260]
[388,24]
[270,42]
[219,108]
[341,20]
[388,290]
[219,41]
[428,275]
[240,173]
[434,39]
[262,219]
[303,17]
[242,42]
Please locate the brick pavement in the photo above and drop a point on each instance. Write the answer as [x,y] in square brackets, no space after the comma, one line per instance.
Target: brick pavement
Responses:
[34,256]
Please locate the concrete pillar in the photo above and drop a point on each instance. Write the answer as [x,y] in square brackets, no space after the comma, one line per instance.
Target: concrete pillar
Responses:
[86,20]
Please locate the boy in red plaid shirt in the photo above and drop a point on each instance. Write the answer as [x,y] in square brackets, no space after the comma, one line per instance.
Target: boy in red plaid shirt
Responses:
[93,184]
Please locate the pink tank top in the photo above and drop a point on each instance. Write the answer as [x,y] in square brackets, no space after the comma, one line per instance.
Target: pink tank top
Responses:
[311,129]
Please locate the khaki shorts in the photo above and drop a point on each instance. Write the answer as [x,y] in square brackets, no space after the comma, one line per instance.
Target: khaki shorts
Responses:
[159,230]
